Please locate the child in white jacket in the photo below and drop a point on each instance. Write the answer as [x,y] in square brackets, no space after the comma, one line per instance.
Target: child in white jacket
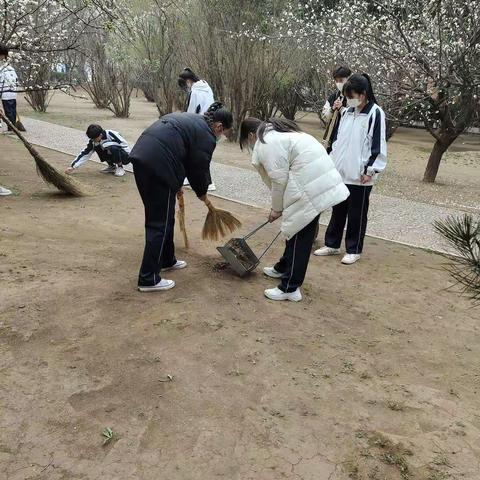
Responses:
[8,87]
[359,151]
[303,182]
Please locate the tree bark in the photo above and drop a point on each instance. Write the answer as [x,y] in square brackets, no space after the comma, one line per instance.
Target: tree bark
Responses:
[439,148]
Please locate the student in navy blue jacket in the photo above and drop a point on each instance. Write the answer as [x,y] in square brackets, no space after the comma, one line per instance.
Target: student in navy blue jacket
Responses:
[175,147]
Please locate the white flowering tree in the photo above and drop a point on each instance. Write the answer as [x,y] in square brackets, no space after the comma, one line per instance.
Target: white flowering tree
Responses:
[43,33]
[424,57]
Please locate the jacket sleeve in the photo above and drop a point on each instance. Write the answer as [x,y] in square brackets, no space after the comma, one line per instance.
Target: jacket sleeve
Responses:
[83,156]
[378,150]
[327,112]
[273,158]
[198,171]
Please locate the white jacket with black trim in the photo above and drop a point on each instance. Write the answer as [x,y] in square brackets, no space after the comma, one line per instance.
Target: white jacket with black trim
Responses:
[110,138]
[359,145]
[8,82]
[200,98]
[301,176]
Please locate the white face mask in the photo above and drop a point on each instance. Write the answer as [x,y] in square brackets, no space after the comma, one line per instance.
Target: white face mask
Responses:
[340,85]
[353,102]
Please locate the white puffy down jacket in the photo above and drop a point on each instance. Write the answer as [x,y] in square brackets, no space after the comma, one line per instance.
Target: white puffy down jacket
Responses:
[301,176]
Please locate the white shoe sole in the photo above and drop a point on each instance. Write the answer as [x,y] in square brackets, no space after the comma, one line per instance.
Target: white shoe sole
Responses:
[283,299]
[180,267]
[119,174]
[156,289]
[329,254]
[350,262]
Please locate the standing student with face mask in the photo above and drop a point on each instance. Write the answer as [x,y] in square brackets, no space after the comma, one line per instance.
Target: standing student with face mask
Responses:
[175,147]
[359,150]
[335,102]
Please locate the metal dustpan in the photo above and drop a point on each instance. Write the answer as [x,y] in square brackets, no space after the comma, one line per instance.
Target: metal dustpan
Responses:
[240,256]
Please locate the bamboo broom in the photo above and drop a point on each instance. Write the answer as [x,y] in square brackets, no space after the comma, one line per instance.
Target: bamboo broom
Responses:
[218,223]
[331,126]
[19,124]
[181,217]
[49,173]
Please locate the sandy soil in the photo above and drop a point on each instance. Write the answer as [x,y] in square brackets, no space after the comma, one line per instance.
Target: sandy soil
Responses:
[374,376]
[456,186]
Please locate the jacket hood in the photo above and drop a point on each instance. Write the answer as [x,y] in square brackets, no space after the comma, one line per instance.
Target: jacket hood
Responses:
[201,86]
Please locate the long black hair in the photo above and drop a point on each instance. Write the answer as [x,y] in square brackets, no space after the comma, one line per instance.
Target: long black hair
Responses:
[360,84]
[255,125]
[218,113]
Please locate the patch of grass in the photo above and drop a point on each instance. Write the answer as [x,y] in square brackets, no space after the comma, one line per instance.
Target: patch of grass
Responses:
[348,367]
[392,453]
[108,435]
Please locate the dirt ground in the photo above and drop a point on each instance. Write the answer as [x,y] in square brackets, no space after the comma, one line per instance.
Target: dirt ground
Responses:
[456,185]
[374,376]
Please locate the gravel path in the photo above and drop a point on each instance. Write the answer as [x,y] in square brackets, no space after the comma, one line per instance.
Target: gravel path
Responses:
[396,219]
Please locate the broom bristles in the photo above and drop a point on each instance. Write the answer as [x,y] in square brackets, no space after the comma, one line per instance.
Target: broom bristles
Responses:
[53,176]
[20,126]
[219,223]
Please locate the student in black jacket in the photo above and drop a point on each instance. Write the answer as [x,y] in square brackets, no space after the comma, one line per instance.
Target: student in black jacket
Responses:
[176,146]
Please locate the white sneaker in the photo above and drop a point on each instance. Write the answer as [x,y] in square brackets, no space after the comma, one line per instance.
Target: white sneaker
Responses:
[277,294]
[119,172]
[325,251]
[271,272]
[5,191]
[178,266]
[109,169]
[350,258]
[212,187]
[163,284]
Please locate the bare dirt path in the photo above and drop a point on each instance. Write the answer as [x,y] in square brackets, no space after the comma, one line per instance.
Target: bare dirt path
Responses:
[375,375]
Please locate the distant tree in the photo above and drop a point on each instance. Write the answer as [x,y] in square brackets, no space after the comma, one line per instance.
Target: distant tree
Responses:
[424,56]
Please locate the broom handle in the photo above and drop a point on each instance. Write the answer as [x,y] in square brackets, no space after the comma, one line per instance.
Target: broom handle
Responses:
[27,144]
[181,207]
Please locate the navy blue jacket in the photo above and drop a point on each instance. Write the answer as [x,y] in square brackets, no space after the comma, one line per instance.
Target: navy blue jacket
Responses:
[176,146]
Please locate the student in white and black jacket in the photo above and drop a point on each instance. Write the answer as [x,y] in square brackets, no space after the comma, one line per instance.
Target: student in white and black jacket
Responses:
[110,147]
[359,151]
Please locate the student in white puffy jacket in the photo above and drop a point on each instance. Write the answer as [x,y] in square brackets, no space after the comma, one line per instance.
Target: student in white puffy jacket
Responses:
[303,182]
[359,151]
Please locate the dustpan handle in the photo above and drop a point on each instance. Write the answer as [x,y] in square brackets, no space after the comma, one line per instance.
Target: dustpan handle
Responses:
[271,243]
[246,237]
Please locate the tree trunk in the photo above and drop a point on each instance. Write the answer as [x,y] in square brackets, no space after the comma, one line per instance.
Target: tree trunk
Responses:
[439,148]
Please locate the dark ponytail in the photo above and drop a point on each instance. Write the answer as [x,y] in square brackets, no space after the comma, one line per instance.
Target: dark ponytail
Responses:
[188,74]
[218,113]
[360,84]
[254,125]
